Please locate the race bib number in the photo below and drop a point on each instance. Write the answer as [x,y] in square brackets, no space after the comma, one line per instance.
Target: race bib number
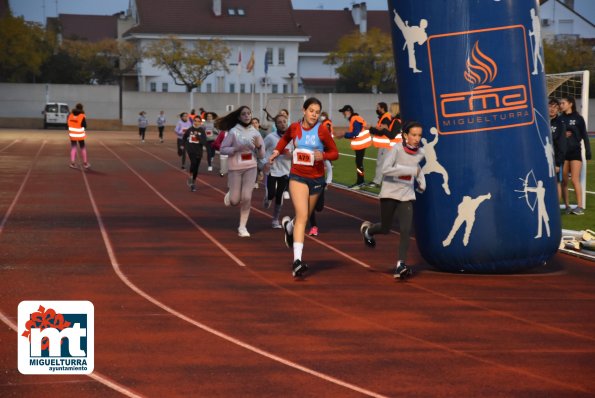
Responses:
[194,139]
[245,156]
[209,133]
[303,156]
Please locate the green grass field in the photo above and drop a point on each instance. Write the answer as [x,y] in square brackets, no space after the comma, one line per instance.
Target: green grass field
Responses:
[344,173]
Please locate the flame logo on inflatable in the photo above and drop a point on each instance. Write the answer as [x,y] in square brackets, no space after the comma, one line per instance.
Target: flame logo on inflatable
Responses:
[481,69]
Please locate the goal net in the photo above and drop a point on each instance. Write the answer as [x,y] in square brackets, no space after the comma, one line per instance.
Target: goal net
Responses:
[573,84]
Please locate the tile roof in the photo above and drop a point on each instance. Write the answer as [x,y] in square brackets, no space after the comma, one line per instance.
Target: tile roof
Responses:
[196,17]
[88,27]
[325,28]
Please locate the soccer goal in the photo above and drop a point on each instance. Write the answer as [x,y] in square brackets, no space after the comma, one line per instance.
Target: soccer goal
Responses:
[573,84]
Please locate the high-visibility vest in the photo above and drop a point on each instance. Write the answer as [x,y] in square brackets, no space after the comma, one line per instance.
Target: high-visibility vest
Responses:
[76,131]
[364,138]
[381,141]
[329,125]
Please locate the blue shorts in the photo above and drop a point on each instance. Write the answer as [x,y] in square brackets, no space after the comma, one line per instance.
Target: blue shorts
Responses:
[315,185]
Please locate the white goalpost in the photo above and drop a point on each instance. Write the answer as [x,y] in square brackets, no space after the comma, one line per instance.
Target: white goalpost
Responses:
[573,84]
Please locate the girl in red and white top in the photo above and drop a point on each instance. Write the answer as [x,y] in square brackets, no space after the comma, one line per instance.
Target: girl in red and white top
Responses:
[243,144]
[313,145]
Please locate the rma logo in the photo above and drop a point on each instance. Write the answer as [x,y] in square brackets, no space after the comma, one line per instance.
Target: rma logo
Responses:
[56,337]
[487,88]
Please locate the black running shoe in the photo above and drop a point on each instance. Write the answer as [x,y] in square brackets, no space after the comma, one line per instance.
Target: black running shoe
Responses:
[288,237]
[368,239]
[299,268]
[402,271]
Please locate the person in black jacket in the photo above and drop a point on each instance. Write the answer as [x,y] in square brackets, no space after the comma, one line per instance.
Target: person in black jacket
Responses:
[576,131]
[558,131]
[194,140]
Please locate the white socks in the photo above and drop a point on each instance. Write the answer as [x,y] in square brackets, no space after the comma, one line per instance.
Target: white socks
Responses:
[297,250]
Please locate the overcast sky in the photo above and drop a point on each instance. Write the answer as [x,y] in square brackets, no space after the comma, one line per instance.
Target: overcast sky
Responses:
[38,10]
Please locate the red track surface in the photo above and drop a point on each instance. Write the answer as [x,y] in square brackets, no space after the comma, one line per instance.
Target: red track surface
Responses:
[184,307]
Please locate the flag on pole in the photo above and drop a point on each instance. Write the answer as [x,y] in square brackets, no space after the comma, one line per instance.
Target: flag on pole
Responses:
[250,64]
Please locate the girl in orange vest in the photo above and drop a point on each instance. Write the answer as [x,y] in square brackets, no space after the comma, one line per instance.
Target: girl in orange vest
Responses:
[77,123]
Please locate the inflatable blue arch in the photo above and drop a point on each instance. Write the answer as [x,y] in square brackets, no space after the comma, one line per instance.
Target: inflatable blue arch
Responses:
[472,73]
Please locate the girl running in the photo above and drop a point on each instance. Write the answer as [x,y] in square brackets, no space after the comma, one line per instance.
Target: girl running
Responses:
[243,144]
[77,124]
[313,144]
[399,172]
[277,173]
[194,139]
[183,125]
[161,125]
[143,122]
[211,132]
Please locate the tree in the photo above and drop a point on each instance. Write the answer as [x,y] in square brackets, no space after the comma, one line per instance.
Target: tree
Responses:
[189,65]
[365,62]
[23,49]
[569,55]
[111,59]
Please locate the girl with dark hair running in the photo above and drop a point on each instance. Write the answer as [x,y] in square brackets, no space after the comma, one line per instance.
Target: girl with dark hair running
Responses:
[183,125]
[400,170]
[194,140]
[576,131]
[313,145]
[243,144]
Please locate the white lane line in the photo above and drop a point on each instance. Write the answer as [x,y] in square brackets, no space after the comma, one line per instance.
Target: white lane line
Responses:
[148,297]
[9,145]
[21,188]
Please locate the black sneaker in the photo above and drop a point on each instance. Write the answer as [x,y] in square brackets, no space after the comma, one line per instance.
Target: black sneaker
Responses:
[192,188]
[288,237]
[299,268]
[368,240]
[402,271]
[356,186]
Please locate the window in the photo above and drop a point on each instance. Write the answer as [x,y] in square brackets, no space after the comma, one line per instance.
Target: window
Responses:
[164,87]
[209,88]
[153,86]
[281,56]
[269,56]
[231,11]
[241,12]
[64,109]
[232,87]
[275,88]
[242,88]
[285,89]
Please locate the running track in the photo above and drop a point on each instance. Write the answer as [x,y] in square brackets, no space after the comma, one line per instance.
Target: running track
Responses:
[184,307]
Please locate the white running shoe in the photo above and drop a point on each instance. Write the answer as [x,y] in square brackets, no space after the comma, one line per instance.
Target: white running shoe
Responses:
[276,224]
[226,200]
[286,195]
[243,232]
[210,168]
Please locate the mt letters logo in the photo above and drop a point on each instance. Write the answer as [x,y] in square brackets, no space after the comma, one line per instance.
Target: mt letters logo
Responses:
[487,88]
[56,337]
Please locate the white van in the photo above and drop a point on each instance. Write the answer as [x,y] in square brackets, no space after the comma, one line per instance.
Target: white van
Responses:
[55,114]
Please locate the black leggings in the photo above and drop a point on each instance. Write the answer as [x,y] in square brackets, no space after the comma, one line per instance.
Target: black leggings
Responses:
[404,210]
[210,152]
[161,131]
[359,165]
[275,187]
[318,208]
[141,132]
[195,156]
[182,151]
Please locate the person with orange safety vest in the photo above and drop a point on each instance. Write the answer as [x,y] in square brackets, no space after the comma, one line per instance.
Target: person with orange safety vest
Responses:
[360,140]
[77,123]
[381,141]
